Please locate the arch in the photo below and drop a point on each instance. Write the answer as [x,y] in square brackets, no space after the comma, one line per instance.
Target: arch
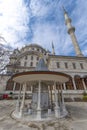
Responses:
[78,82]
[9,85]
[32,57]
[58,86]
[77,76]
[30,53]
[69,84]
[17,87]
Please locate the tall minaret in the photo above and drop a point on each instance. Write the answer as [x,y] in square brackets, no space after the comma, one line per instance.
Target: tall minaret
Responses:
[71,31]
[53,50]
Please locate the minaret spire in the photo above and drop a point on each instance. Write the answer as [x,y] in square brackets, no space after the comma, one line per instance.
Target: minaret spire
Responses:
[64,9]
[71,31]
[53,50]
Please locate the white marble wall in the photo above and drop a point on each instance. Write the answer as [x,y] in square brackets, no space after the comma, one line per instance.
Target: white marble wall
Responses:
[62,60]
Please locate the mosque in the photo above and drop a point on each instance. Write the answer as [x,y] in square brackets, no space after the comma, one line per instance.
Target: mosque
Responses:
[27,59]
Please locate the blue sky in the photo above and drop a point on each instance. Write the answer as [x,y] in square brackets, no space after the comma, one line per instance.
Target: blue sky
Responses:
[42,21]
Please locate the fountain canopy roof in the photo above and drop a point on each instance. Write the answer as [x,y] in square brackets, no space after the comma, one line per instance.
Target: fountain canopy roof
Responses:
[24,77]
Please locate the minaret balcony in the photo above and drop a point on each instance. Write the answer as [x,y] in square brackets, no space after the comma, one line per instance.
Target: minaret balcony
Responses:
[71,30]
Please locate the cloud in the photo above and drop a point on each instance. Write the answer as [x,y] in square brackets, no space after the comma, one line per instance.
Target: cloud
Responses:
[42,21]
[13,21]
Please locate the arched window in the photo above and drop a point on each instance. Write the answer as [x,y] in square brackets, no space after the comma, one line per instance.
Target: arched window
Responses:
[28,87]
[26,57]
[31,57]
[58,64]
[37,49]
[69,85]
[58,86]
[32,48]
[10,85]
[36,63]
[25,63]
[74,65]
[66,65]
[81,65]
[31,64]
[17,87]
[78,82]
[37,58]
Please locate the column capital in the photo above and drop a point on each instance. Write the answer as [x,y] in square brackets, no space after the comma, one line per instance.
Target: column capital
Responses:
[72,76]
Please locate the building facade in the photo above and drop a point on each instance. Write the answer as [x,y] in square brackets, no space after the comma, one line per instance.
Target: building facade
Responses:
[26,59]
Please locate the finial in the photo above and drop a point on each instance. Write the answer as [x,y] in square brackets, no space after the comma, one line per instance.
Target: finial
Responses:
[52,45]
[64,9]
[53,50]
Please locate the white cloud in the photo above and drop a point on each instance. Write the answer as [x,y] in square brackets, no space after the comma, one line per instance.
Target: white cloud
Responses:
[17,28]
[14,19]
[37,9]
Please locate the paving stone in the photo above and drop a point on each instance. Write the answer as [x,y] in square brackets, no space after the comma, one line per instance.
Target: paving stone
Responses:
[77,119]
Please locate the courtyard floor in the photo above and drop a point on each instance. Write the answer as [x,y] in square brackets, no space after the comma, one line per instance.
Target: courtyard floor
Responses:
[76,120]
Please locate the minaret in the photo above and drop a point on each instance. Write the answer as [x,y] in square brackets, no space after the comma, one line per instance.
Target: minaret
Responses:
[71,31]
[53,51]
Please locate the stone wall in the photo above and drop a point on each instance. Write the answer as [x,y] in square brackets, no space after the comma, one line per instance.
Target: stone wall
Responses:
[3,81]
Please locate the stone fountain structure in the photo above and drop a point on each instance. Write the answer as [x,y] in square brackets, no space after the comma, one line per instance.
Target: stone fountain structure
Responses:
[47,101]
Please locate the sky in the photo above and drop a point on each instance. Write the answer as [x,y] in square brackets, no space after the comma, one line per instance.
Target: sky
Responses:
[23,22]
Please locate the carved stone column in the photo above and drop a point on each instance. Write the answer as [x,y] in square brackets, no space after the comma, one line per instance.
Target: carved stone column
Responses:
[57,108]
[23,100]
[64,85]
[84,85]
[14,87]
[63,104]
[18,101]
[39,101]
[51,97]
[74,85]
